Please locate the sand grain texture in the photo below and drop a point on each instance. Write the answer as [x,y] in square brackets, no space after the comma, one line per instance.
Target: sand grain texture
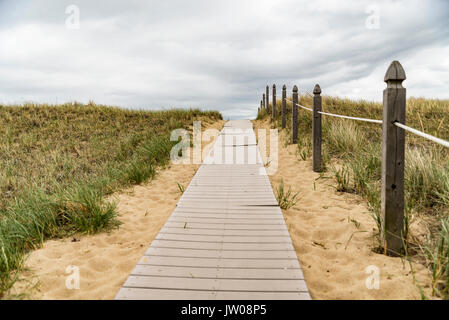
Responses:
[332,233]
[106,259]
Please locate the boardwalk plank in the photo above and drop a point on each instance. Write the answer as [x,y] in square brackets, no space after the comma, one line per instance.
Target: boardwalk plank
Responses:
[225,232]
[189,220]
[246,285]
[223,238]
[226,238]
[220,263]
[195,253]
[192,272]
[161,294]
[219,226]
[222,246]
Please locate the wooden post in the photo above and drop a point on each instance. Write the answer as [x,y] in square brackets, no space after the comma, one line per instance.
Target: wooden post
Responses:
[393,145]
[263,101]
[316,129]
[284,105]
[274,102]
[295,115]
[261,106]
[267,97]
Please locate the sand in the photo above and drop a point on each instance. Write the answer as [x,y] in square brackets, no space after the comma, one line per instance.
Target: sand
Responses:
[106,259]
[332,233]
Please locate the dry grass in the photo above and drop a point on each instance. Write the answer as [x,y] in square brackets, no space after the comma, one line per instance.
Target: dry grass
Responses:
[59,161]
[352,153]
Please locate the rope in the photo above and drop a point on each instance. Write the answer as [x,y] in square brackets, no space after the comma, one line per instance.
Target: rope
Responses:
[422,134]
[352,118]
[304,107]
[339,116]
[300,105]
[400,125]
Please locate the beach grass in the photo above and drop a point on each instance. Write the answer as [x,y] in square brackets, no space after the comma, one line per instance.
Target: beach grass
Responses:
[285,197]
[59,162]
[352,154]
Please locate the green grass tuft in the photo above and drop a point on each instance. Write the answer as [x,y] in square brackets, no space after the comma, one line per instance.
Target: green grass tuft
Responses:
[60,161]
[286,198]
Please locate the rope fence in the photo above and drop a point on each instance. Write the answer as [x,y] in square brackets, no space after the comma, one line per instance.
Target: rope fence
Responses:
[400,125]
[352,118]
[422,134]
[393,146]
[301,106]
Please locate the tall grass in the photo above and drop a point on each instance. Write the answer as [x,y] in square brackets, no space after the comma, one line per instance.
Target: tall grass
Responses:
[438,256]
[58,162]
[286,198]
[356,147]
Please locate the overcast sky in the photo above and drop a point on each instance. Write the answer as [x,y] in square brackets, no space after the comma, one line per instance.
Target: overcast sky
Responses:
[217,54]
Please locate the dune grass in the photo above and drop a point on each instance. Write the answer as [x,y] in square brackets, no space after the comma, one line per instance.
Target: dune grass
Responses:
[286,198]
[58,162]
[352,153]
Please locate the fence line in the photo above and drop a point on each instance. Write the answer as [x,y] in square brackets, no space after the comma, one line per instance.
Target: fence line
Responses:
[422,134]
[393,148]
[301,106]
[352,118]
[338,115]
[400,125]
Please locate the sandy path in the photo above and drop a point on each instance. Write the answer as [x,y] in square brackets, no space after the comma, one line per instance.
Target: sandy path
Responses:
[331,232]
[106,259]
[333,236]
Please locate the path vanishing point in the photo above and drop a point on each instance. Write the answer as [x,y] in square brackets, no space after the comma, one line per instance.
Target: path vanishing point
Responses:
[226,239]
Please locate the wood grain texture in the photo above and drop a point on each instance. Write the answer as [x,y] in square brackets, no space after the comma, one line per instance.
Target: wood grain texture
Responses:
[284,106]
[295,115]
[393,150]
[316,130]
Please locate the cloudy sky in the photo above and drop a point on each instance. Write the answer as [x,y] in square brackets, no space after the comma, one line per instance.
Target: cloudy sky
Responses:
[217,54]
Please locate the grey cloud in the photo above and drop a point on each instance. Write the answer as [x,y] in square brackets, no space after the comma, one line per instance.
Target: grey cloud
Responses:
[207,53]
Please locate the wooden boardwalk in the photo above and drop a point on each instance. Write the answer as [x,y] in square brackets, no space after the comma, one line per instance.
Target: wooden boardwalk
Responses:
[226,239]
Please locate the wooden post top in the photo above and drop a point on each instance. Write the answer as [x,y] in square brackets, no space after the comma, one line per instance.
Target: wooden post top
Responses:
[284,87]
[274,86]
[395,75]
[295,88]
[317,89]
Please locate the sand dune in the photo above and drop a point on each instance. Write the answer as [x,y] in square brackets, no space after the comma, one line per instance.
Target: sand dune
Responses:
[106,259]
[332,234]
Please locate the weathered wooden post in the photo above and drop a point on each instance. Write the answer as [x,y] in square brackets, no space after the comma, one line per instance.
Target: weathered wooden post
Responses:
[295,115]
[316,129]
[267,97]
[393,145]
[263,101]
[274,102]
[284,105]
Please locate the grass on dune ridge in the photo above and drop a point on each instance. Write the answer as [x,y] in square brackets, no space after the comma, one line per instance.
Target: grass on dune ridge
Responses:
[59,161]
[352,153]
